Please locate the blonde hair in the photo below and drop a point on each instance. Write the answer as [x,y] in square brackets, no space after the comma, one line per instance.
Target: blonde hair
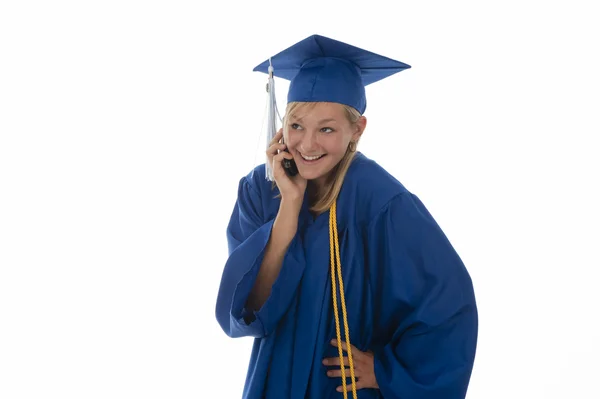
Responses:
[333,185]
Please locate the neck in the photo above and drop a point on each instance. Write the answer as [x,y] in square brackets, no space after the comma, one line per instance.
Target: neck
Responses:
[319,184]
[314,190]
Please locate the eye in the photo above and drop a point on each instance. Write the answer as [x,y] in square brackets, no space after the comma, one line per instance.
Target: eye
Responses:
[295,126]
[327,130]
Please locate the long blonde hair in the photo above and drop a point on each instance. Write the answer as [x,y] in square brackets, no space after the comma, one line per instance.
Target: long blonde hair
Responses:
[333,185]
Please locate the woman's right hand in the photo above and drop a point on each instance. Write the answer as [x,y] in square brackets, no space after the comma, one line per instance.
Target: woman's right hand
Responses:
[291,188]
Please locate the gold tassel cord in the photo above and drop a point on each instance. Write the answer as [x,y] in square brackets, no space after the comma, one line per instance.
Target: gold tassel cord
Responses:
[335,259]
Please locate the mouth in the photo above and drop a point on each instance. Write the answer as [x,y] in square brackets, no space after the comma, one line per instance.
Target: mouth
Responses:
[311,159]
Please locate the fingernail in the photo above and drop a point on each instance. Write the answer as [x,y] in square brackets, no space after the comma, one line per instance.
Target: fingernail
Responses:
[324,361]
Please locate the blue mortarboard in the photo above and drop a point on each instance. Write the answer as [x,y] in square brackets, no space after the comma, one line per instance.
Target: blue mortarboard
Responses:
[323,69]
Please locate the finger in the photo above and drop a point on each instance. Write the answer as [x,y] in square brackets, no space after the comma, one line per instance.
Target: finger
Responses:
[338,373]
[335,361]
[277,165]
[349,387]
[275,148]
[281,156]
[355,352]
[277,137]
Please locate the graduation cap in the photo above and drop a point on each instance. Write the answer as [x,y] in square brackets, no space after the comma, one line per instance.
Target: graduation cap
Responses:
[321,69]
[324,69]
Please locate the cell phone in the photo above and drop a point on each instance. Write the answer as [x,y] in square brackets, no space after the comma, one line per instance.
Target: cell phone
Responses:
[289,165]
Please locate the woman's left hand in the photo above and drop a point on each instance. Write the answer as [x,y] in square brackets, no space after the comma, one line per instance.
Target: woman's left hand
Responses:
[364,367]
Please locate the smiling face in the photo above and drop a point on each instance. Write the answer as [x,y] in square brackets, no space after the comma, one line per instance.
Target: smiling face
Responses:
[318,135]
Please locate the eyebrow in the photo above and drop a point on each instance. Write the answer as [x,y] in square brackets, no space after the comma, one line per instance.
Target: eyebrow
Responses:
[294,117]
[326,120]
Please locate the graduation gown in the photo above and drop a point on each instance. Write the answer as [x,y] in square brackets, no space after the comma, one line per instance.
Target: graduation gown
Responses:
[409,297]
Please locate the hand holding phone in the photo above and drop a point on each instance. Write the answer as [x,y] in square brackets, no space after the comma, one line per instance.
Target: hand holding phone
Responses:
[291,184]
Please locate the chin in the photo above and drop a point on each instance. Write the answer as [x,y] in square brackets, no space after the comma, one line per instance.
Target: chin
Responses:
[313,174]
[309,175]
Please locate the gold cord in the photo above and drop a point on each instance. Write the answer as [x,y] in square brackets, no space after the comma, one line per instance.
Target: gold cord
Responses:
[334,244]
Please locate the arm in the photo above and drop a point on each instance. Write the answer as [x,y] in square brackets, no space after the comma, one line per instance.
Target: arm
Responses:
[284,230]
[263,269]
[428,291]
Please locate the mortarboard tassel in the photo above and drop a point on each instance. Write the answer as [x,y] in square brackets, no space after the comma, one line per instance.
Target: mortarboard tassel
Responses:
[271,120]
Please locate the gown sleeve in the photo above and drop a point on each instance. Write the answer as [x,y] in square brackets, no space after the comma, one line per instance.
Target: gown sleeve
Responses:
[247,238]
[427,296]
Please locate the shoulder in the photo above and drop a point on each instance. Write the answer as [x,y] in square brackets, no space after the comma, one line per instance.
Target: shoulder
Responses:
[384,204]
[255,190]
[256,181]
[370,187]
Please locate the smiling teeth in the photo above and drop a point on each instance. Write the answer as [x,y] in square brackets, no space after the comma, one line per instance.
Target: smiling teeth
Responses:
[311,158]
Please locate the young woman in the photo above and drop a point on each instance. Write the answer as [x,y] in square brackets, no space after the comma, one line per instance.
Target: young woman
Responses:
[342,276]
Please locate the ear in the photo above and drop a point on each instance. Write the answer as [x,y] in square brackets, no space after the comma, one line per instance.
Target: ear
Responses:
[361,125]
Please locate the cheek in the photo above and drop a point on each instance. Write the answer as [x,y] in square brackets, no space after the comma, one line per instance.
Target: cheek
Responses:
[292,139]
[335,145]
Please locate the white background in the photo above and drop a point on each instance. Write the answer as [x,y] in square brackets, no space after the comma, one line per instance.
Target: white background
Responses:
[125,127]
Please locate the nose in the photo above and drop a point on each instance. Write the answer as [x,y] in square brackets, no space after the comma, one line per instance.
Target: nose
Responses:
[308,142]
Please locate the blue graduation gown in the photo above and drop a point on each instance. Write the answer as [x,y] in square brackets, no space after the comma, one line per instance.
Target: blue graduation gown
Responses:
[409,297]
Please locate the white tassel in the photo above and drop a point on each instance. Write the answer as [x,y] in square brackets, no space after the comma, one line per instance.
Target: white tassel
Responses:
[271,118]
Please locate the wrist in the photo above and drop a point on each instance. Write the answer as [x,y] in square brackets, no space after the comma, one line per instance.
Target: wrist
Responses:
[290,207]
[286,222]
